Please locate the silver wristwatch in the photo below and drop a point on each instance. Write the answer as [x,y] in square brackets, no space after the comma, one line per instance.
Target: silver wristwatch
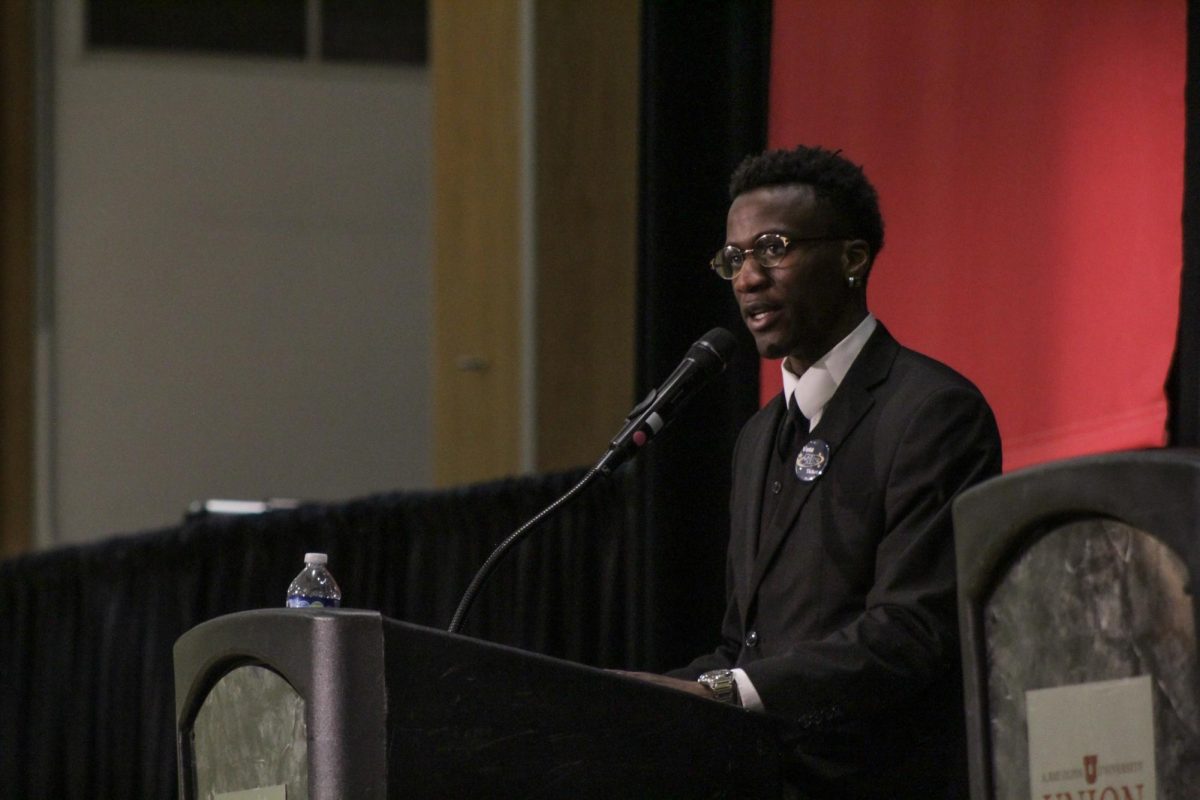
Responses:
[722,684]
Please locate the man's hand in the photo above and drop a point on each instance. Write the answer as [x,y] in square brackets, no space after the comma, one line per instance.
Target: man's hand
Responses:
[691,687]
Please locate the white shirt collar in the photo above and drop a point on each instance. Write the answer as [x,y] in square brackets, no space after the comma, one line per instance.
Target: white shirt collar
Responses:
[816,386]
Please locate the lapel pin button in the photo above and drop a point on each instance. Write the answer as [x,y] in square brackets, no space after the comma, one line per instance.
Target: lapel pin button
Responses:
[812,460]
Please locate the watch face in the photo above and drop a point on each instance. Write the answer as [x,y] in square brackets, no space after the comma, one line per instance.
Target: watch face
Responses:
[715,675]
[721,683]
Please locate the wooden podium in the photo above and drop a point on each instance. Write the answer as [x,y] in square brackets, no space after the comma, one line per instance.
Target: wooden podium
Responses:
[349,704]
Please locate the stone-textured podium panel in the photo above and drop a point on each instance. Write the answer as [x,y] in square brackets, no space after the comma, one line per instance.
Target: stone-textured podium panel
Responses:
[250,733]
[1093,600]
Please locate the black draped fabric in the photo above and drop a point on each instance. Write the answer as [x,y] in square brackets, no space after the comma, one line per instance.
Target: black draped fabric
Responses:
[704,108]
[86,688]
[1183,387]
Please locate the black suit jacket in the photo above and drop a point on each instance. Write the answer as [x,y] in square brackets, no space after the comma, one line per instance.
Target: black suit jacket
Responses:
[842,611]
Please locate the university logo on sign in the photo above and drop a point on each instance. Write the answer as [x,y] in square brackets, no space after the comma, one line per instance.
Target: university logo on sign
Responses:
[1089,769]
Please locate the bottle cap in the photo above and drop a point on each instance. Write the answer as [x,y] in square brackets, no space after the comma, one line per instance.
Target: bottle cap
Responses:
[315,558]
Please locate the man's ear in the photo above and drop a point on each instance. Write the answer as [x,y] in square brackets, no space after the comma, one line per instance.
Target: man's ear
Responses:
[856,259]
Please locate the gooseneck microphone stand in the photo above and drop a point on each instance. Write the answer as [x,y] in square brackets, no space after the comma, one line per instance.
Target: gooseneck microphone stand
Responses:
[706,358]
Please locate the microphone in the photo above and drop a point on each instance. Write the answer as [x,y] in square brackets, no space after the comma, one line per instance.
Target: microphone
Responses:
[705,359]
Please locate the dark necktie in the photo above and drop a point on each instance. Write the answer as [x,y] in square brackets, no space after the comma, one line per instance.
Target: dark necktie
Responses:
[792,432]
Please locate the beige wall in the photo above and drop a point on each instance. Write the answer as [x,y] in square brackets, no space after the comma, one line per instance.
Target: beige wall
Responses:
[286,280]
[535,189]
[478,252]
[240,284]
[587,146]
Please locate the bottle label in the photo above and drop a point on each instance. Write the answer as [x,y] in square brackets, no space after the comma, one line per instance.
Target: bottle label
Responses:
[301,601]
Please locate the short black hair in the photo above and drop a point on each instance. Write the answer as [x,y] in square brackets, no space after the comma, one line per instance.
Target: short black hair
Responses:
[839,184]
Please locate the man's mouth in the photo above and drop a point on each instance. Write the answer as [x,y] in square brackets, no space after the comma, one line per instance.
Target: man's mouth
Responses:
[760,315]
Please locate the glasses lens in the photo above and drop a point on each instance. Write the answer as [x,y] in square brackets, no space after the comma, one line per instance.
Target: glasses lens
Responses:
[727,261]
[769,249]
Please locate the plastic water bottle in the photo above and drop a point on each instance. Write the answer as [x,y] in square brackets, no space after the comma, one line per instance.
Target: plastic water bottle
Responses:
[314,586]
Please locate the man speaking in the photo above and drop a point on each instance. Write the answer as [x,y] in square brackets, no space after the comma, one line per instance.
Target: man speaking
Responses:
[841,574]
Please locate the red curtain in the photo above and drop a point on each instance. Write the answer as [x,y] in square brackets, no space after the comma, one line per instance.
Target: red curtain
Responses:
[1029,158]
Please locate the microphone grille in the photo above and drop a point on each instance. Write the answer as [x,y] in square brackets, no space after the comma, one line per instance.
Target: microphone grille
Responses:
[717,346]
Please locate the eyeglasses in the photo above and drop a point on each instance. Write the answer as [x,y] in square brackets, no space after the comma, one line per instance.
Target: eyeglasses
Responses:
[768,250]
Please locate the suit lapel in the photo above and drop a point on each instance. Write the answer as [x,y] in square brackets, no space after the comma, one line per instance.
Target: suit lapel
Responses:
[762,447]
[842,414]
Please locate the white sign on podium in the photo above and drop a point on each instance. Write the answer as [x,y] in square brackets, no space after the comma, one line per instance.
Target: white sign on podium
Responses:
[1093,741]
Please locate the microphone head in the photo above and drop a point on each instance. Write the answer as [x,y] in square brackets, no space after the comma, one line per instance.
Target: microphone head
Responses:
[713,351]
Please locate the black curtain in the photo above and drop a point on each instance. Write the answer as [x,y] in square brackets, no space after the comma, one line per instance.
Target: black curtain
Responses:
[1183,385]
[704,107]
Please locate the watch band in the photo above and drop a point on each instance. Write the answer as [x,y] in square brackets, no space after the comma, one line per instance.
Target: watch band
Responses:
[723,685]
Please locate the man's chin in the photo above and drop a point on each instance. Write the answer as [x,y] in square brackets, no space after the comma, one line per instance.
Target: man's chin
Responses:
[769,348]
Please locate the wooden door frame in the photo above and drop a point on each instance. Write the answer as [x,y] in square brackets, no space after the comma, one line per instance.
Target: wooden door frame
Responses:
[17,282]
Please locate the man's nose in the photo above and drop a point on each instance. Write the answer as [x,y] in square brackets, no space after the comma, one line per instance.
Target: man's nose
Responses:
[750,276]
